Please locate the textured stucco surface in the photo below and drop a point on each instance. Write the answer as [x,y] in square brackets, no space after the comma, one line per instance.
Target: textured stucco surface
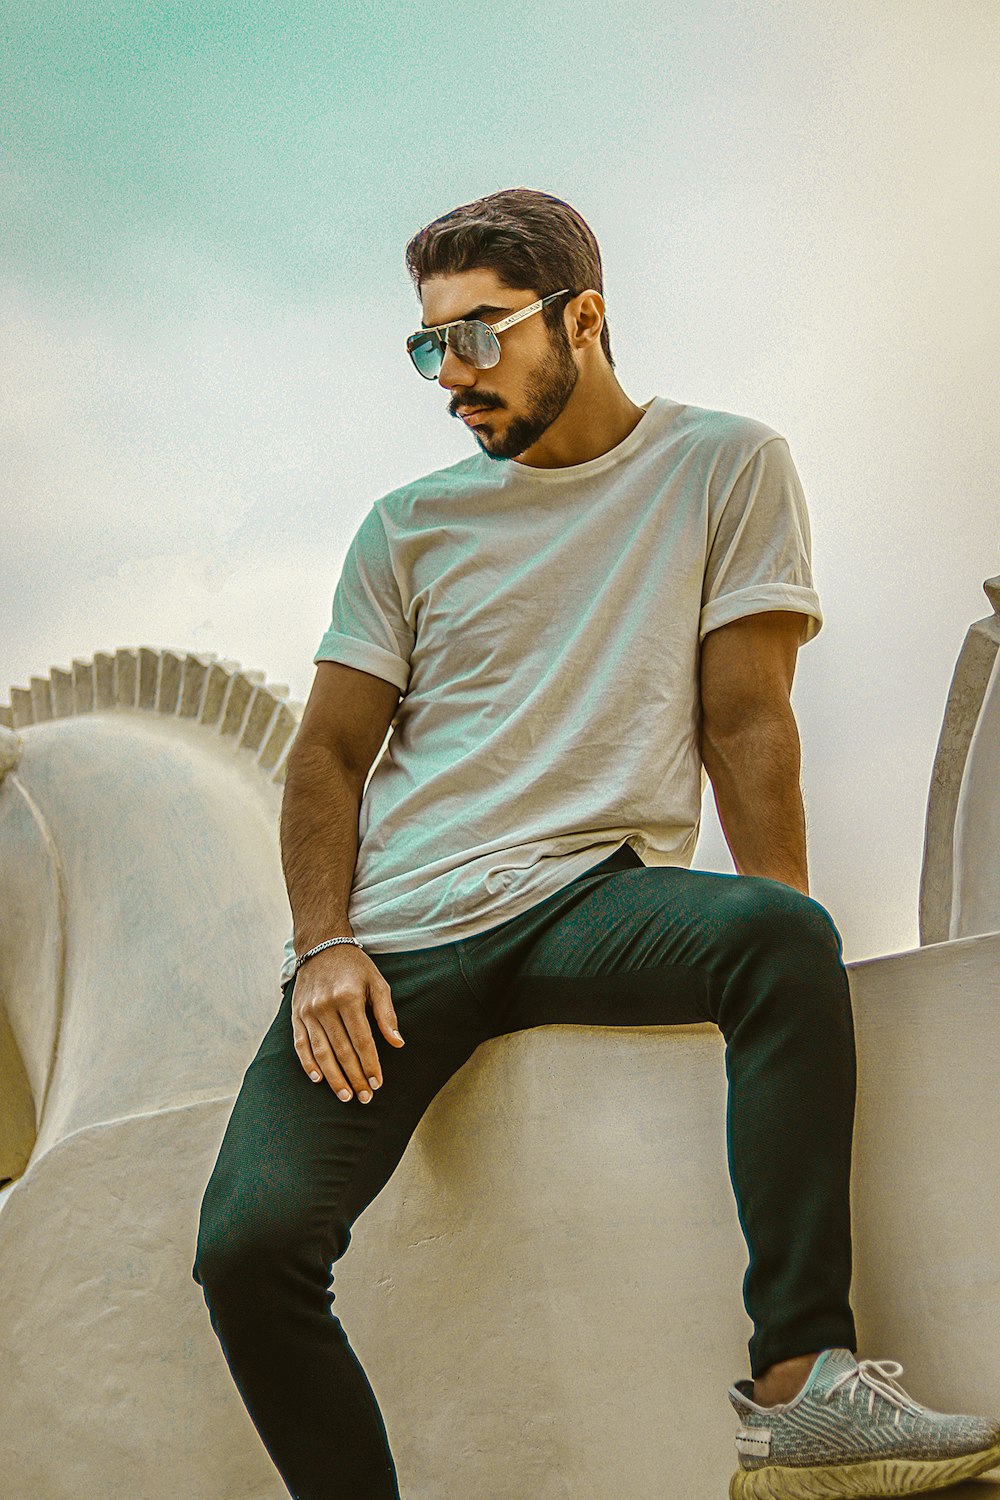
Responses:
[549,1284]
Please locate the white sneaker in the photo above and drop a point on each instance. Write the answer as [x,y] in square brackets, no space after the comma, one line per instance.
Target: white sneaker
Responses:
[853,1431]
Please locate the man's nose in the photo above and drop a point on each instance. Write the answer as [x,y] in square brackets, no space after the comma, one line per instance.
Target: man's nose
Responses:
[455,371]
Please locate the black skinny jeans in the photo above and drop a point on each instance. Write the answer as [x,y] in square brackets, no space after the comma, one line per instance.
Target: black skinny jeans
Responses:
[621,945]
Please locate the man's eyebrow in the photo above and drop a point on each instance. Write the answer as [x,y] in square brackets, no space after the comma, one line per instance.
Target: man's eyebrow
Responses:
[476,312]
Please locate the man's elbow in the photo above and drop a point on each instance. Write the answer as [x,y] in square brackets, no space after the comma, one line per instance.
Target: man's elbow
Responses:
[761,731]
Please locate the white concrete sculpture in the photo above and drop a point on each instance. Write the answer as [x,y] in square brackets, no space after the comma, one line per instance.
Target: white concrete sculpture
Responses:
[960,877]
[553,1261]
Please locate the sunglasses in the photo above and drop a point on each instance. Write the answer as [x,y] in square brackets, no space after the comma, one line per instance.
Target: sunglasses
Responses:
[474,342]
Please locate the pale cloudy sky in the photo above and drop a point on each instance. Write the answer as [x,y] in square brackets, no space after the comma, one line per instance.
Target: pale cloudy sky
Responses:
[204,301]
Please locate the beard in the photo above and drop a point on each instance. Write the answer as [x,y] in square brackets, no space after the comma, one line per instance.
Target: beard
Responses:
[549,388]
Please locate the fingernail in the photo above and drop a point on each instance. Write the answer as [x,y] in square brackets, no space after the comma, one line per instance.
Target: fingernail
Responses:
[364,1096]
[396,1034]
[343,1093]
[374,1082]
[315,1077]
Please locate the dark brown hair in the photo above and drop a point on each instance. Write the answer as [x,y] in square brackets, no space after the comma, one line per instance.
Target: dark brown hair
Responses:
[532,241]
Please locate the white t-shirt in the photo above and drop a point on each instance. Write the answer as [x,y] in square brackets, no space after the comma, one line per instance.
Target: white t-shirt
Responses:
[544,626]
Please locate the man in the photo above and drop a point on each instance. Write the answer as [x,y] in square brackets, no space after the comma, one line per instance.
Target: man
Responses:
[564,631]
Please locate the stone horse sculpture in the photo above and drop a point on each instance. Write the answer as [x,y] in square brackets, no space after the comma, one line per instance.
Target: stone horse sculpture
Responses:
[549,1253]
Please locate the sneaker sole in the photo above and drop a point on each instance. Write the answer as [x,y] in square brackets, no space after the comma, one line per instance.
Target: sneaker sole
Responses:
[879,1476]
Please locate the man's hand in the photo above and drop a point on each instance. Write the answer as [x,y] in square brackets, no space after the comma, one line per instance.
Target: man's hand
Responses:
[330,1026]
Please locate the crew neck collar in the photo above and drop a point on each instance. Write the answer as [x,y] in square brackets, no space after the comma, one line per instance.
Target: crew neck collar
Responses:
[533,474]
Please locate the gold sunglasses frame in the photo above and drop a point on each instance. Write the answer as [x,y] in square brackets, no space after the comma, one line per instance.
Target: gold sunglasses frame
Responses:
[493,328]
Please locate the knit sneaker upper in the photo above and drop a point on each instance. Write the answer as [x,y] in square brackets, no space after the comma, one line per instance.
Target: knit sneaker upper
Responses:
[848,1412]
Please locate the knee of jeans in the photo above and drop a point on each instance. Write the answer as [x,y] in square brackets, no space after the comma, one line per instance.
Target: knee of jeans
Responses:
[239,1245]
[778,917]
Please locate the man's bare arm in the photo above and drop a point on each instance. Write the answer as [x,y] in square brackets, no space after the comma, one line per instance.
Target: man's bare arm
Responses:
[344,723]
[750,743]
[319,843]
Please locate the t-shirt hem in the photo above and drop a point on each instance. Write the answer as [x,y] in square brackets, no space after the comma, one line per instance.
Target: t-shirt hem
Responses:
[411,939]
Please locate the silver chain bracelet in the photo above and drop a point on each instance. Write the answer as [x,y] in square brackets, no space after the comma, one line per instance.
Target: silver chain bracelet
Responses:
[328,944]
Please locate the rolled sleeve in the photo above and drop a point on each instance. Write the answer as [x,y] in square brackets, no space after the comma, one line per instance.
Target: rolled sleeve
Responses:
[368,629]
[760,549]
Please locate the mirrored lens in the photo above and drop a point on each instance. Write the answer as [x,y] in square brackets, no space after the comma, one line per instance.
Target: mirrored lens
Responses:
[475,344]
[427,354]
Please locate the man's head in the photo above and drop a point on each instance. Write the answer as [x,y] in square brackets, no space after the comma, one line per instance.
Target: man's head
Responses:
[496,256]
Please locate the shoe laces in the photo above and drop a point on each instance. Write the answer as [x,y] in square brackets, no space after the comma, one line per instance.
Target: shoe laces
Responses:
[880,1376]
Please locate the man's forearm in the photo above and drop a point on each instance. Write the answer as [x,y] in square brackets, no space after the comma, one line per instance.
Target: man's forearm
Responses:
[319,844]
[755,777]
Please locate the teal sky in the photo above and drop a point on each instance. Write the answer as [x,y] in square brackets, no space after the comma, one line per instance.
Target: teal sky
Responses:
[296,144]
[300,145]
[203,302]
